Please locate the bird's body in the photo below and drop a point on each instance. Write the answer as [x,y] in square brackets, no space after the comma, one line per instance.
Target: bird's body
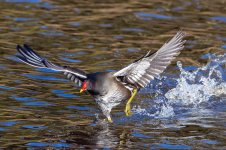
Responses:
[110,89]
[107,96]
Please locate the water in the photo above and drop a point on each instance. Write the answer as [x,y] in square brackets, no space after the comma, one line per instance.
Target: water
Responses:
[200,85]
[184,108]
[195,90]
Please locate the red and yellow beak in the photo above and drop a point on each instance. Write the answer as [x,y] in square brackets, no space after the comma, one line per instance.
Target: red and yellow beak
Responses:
[84,84]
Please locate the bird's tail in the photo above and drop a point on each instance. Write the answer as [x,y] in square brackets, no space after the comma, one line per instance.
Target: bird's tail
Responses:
[31,58]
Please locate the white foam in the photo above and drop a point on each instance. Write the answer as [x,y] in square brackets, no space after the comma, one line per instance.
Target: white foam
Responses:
[190,90]
[163,111]
[199,86]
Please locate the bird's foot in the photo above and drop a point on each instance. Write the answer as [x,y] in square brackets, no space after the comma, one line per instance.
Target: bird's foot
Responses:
[128,110]
[128,107]
[109,119]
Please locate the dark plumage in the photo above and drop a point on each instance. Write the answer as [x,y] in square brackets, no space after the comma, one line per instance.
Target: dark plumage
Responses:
[110,89]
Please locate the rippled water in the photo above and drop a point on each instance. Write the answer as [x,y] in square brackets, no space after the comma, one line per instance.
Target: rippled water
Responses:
[184,108]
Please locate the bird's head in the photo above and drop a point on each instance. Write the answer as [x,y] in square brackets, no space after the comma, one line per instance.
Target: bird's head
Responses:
[84,86]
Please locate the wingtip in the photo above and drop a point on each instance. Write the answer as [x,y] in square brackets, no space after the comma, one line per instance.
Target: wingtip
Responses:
[182,33]
[26,46]
[18,47]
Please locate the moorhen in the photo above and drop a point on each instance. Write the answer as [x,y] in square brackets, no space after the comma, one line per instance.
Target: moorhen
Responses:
[109,89]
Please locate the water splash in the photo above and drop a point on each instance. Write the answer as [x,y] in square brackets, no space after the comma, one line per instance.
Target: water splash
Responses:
[201,88]
[194,88]
[164,111]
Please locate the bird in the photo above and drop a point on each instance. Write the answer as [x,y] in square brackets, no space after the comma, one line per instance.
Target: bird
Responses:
[109,89]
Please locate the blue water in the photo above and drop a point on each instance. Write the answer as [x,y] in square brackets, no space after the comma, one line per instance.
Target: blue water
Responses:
[38,103]
[147,16]
[43,144]
[133,30]
[171,146]
[139,135]
[62,93]
[34,127]
[83,108]
[43,77]
[8,123]
[23,98]
[219,18]
[71,60]
[223,46]
[5,87]
[23,19]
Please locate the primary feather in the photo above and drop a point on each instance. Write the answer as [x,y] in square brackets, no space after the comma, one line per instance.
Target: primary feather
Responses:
[31,58]
[143,70]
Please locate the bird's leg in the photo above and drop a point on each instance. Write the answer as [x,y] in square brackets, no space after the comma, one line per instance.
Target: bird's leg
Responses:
[128,108]
[109,119]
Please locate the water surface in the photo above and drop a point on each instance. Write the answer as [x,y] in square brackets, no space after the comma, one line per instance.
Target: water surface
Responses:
[184,108]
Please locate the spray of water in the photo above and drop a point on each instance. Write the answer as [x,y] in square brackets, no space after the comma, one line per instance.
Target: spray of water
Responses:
[199,86]
[192,89]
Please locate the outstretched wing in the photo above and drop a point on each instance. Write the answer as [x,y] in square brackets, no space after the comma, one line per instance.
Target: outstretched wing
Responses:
[143,70]
[30,57]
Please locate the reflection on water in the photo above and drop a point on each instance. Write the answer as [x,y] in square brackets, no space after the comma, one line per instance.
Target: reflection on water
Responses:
[182,109]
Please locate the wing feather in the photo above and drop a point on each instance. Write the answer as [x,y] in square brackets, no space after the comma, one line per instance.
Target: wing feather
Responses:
[30,57]
[143,70]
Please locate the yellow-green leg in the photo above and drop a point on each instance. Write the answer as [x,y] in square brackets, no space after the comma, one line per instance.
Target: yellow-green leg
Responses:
[128,108]
[109,119]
